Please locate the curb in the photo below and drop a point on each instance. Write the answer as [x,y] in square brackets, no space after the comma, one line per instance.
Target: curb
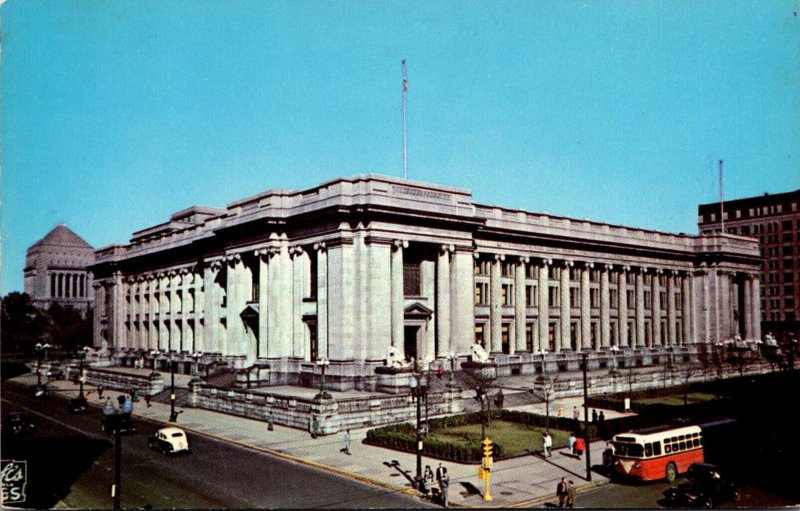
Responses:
[541,500]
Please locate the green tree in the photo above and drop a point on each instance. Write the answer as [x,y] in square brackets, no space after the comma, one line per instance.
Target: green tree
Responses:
[69,328]
[22,324]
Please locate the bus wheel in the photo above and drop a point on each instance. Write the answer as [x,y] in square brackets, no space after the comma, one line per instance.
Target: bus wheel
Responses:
[672,472]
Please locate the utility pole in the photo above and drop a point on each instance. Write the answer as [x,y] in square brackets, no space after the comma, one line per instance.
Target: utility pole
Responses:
[405,127]
[721,201]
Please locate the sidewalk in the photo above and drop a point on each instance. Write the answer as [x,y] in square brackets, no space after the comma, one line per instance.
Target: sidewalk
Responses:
[520,482]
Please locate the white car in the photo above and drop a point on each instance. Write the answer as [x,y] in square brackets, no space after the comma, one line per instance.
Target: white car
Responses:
[169,440]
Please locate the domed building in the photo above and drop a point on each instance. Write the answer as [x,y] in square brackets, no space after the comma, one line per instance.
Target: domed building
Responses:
[56,271]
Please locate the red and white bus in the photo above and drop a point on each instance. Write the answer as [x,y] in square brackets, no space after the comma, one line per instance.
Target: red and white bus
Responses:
[657,453]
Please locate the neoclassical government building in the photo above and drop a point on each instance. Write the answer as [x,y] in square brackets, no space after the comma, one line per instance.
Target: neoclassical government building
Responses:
[358,269]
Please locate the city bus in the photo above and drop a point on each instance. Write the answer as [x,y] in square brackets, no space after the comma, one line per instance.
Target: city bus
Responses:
[663,452]
[656,453]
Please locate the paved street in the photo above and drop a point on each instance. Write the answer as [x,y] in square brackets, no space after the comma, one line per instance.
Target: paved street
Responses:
[73,468]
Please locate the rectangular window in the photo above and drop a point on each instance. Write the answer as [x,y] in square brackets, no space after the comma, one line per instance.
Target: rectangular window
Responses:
[481,267]
[613,277]
[573,335]
[529,337]
[613,332]
[574,274]
[630,278]
[648,300]
[631,294]
[593,333]
[552,296]
[574,297]
[411,279]
[532,271]
[507,292]
[531,296]
[481,293]
[679,300]
[505,339]
[594,298]
[551,336]
[594,275]
[507,269]
[613,297]
[312,339]
[554,272]
[479,337]
[662,297]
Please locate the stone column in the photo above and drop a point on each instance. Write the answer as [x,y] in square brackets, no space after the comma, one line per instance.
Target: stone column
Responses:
[544,306]
[153,282]
[117,318]
[264,307]
[300,289]
[519,306]
[640,325]
[187,334]
[622,292]
[379,296]
[175,339]
[211,310]
[656,310]
[462,302]
[686,308]
[397,296]
[163,313]
[443,300]
[322,298]
[99,293]
[726,310]
[496,305]
[605,303]
[748,309]
[565,307]
[756,305]
[342,315]
[671,315]
[133,309]
[586,319]
[199,309]
[281,300]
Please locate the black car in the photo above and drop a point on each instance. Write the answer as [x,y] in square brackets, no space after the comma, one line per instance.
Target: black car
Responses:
[18,425]
[78,405]
[707,487]
[121,421]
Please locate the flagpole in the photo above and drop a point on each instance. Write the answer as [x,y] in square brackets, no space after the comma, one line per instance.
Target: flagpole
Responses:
[721,201]
[405,127]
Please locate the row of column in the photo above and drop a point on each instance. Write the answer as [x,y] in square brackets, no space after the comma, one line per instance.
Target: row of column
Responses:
[564,315]
[68,285]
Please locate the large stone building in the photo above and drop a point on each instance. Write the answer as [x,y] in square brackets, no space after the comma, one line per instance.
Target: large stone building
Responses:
[775,221]
[56,271]
[358,270]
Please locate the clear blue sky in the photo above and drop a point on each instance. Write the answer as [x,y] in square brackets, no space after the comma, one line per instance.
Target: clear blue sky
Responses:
[117,114]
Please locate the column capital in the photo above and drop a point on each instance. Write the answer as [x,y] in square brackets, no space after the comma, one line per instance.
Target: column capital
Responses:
[396,244]
[446,249]
[499,257]
[296,250]
[320,246]
[626,268]
[608,267]
[523,259]
[267,252]
[587,265]
[546,261]
[232,259]
[566,263]
[215,264]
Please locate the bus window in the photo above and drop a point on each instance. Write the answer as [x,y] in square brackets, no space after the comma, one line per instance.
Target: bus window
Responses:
[667,448]
[683,445]
[648,449]
[696,442]
[656,448]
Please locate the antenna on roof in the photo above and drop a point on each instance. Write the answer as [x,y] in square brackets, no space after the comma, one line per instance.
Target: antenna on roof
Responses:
[721,201]
[405,127]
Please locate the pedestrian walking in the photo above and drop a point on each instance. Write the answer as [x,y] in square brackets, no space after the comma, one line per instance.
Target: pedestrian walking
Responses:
[444,486]
[270,425]
[547,441]
[594,415]
[572,493]
[147,399]
[439,472]
[601,424]
[314,427]
[572,444]
[108,407]
[100,390]
[562,492]
[427,480]
[498,401]
[576,414]
[580,446]
[127,405]
[346,443]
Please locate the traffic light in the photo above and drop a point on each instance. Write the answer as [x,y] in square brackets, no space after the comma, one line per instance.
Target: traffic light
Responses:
[487,448]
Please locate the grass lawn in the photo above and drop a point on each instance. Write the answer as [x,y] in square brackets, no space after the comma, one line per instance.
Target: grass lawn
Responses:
[516,439]
[677,399]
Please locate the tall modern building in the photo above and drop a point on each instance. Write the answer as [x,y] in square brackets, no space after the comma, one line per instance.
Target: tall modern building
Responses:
[774,220]
[357,270]
[56,271]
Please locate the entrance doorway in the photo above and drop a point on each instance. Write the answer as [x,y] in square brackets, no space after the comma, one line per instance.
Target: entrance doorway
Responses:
[410,341]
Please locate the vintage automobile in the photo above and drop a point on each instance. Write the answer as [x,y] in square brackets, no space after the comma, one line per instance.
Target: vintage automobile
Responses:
[78,405]
[121,421]
[707,487]
[169,440]
[18,425]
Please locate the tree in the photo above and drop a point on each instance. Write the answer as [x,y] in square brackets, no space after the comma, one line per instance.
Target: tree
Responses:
[69,328]
[23,325]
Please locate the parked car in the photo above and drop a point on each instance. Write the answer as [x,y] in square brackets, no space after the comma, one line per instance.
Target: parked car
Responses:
[18,425]
[78,405]
[169,440]
[123,421]
[707,487]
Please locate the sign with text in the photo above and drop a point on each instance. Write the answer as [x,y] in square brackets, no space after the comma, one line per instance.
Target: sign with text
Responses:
[15,477]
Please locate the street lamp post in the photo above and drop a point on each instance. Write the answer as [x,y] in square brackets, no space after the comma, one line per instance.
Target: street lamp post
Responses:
[453,358]
[586,420]
[40,349]
[154,354]
[81,378]
[322,363]
[543,353]
[173,416]
[419,388]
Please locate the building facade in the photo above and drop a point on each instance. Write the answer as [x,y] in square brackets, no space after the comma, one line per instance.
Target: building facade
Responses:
[56,271]
[774,220]
[359,269]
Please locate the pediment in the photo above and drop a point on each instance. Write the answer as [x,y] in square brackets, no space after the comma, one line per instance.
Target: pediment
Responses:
[418,310]
[250,311]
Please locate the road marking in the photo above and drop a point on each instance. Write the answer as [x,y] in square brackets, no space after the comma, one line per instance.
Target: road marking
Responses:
[52,419]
